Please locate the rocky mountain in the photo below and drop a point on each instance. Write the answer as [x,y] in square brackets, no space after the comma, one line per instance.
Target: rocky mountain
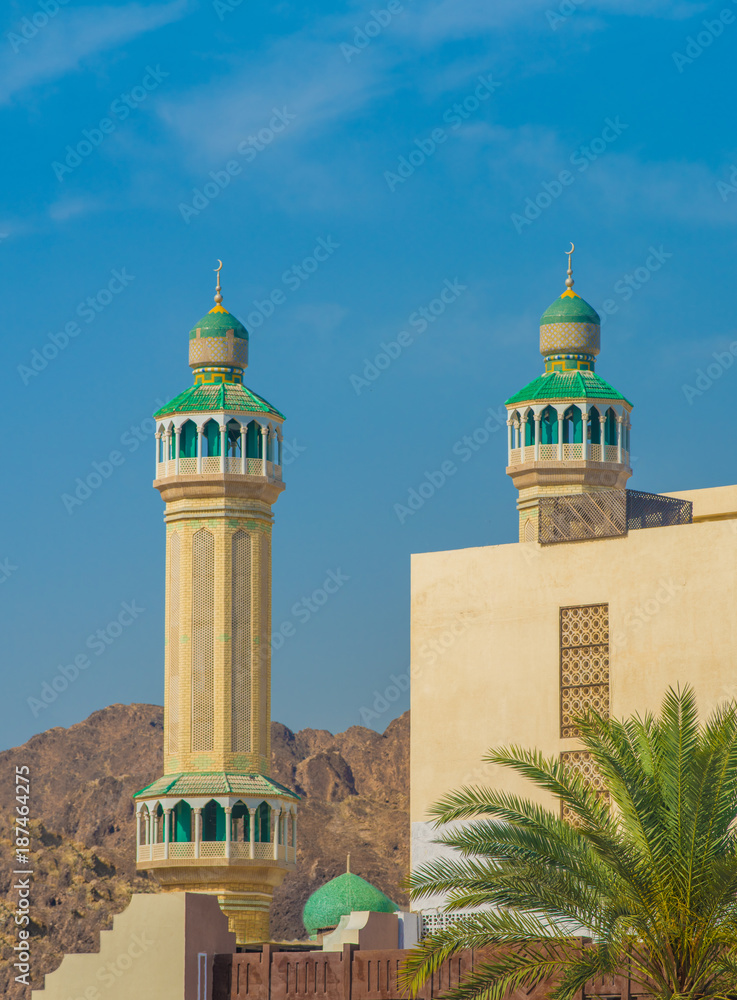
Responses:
[355,799]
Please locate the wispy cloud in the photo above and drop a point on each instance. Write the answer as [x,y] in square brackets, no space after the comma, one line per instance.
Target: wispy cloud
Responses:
[74,35]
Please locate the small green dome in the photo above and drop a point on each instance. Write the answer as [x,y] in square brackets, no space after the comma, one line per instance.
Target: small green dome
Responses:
[570,308]
[342,895]
[217,323]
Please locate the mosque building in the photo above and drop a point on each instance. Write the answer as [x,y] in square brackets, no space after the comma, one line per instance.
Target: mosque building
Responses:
[585,610]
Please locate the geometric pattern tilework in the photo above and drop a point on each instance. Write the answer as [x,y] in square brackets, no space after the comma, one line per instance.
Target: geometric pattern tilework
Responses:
[584,663]
[203,636]
[227,396]
[264,641]
[556,337]
[240,643]
[173,643]
[211,350]
[215,783]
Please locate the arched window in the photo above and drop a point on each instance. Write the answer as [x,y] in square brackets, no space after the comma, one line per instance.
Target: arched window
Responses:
[263,823]
[181,820]
[172,441]
[610,429]
[594,426]
[211,440]
[213,821]
[254,448]
[188,440]
[529,428]
[234,439]
[241,822]
[549,426]
[572,426]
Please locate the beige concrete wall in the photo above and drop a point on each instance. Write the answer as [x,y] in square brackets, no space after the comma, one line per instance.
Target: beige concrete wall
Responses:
[485,640]
[161,947]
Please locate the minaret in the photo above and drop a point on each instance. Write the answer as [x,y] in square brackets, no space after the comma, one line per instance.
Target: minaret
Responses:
[569,430]
[216,822]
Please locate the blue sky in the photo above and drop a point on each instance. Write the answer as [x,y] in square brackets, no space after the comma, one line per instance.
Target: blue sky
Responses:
[144,141]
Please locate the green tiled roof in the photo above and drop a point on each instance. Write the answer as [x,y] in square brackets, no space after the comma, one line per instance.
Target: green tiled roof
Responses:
[223,396]
[569,309]
[342,895]
[214,783]
[566,385]
[217,324]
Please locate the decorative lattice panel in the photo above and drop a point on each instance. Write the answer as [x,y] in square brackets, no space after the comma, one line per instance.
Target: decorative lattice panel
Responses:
[579,762]
[607,513]
[240,643]
[174,642]
[584,663]
[265,644]
[203,622]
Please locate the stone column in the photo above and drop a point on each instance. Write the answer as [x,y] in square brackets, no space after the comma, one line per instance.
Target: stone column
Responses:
[197,831]
[277,814]
[538,421]
[244,460]
[228,829]
[158,437]
[602,436]
[510,441]
[200,442]
[252,831]
[585,435]
[167,451]
[279,442]
[223,447]
[167,831]
[620,421]
[177,433]
[264,448]
[560,437]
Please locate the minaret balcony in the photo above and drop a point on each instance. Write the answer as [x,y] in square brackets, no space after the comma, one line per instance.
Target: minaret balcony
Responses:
[609,453]
[219,465]
[235,851]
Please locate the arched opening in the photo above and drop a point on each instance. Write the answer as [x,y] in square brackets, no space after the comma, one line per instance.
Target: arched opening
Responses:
[549,426]
[263,823]
[188,440]
[234,439]
[211,440]
[161,443]
[254,443]
[594,426]
[610,427]
[172,450]
[213,821]
[240,823]
[159,824]
[181,819]
[572,426]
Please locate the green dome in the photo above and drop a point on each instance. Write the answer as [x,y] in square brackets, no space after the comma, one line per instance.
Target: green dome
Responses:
[217,323]
[569,308]
[342,895]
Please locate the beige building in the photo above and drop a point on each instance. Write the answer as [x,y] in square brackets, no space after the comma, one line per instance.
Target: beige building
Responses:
[609,597]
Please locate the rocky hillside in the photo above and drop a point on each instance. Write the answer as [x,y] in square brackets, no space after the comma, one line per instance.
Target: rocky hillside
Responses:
[355,789]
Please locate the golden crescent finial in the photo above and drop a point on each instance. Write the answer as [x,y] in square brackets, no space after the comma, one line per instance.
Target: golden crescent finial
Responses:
[218,295]
[569,279]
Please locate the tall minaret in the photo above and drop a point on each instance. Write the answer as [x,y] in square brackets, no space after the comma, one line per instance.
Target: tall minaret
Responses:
[569,430]
[216,821]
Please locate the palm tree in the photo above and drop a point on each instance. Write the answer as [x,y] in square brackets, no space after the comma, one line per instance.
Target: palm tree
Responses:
[646,871]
